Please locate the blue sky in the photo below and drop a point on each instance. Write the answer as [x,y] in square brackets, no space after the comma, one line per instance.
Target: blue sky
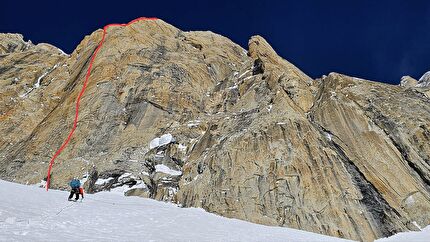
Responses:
[377,40]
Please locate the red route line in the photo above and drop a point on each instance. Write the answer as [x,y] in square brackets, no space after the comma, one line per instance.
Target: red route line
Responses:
[78,100]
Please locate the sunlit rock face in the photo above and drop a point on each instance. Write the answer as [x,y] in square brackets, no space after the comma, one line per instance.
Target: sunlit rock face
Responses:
[424,81]
[195,119]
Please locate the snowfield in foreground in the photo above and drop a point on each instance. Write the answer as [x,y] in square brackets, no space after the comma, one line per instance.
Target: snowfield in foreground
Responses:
[29,213]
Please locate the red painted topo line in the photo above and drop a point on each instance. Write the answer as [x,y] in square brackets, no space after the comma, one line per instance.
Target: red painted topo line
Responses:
[78,100]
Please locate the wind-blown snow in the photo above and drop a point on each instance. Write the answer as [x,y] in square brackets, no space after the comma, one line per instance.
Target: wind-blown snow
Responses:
[29,213]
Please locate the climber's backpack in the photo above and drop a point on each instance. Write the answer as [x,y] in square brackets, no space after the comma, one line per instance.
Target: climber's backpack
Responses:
[75,183]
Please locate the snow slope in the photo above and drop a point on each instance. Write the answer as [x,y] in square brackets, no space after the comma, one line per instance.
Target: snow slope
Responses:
[29,213]
[421,236]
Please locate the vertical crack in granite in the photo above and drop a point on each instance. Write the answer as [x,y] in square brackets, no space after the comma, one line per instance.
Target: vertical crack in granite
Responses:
[389,128]
[385,217]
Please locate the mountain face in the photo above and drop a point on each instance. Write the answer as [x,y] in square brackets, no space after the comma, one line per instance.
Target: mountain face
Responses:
[424,81]
[193,118]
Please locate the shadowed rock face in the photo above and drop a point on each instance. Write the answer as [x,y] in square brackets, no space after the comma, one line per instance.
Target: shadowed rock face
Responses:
[253,136]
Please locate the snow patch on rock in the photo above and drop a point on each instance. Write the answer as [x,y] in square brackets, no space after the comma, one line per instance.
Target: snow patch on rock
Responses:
[241,75]
[182,147]
[102,181]
[164,169]
[328,136]
[37,84]
[410,200]
[160,141]
[417,225]
[193,123]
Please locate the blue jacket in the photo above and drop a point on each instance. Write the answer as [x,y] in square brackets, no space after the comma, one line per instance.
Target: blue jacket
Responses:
[75,183]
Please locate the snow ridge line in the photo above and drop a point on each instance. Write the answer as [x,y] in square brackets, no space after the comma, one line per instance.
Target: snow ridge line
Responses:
[78,100]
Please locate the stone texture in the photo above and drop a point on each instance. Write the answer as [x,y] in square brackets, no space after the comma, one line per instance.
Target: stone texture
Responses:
[254,137]
[424,81]
[408,81]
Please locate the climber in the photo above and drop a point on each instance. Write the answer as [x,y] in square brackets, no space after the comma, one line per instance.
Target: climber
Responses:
[75,184]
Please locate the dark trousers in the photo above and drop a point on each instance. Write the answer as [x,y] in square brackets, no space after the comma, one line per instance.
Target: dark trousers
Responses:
[74,191]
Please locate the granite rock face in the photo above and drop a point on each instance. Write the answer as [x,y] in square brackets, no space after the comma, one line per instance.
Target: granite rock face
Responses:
[407,81]
[192,118]
[424,81]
